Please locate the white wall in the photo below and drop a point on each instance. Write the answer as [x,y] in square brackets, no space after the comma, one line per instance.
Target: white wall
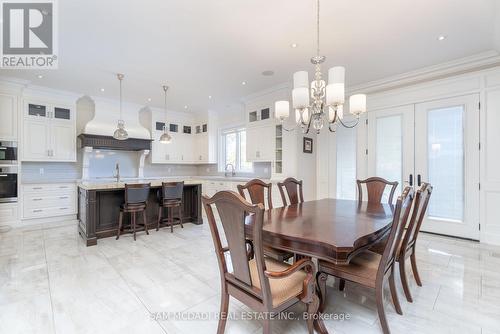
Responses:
[496,35]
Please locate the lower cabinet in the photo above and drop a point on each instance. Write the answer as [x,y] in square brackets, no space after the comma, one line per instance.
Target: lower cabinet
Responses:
[8,212]
[49,200]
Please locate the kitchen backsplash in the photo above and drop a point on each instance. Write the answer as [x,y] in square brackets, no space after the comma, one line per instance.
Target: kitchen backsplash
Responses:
[102,165]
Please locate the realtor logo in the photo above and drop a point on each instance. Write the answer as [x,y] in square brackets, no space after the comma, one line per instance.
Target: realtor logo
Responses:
[29,33]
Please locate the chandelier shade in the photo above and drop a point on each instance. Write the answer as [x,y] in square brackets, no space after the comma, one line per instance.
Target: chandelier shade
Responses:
[282,109]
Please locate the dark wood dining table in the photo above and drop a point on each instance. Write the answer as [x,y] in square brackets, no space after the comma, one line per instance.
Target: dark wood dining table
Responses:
[333,230]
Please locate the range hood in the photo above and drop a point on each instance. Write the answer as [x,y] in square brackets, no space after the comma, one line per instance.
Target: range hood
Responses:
[98,132]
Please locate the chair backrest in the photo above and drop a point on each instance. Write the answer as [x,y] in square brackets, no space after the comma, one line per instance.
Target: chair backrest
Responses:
[233,210]
[256,189]
[375,187]
[172,190]
[137,193]
[420,204]
[400,218]
[293,188]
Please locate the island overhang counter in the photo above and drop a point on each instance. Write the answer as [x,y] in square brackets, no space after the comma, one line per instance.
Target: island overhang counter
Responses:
[99,207]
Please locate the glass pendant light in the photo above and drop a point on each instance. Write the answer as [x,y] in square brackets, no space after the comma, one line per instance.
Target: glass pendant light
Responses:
[165,137]
[120,132]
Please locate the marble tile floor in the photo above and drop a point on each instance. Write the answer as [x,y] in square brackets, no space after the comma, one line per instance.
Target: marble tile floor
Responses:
[51,283]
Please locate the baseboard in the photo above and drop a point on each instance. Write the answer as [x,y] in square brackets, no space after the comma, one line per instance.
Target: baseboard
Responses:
[44,222]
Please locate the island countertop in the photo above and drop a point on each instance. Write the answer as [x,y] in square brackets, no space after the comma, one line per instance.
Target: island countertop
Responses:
[109,185]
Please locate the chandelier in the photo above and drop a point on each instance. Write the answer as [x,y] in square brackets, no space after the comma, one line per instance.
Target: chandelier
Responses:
[165,137]
[320,104]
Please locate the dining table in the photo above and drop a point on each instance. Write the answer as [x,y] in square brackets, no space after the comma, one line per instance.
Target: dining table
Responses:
[334,230]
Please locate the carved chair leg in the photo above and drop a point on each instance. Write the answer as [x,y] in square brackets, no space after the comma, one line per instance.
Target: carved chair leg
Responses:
[133,224]
[312,309]
[394,292]
[171,219]
[159,218]
[414,268]
[379,297]
[266,326]
[181,214]
[404,279]
[224,306]
[145,221]
[120,221]
[342,284]
[321,283]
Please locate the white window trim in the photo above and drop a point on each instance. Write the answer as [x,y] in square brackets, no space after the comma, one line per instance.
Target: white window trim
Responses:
[222,149]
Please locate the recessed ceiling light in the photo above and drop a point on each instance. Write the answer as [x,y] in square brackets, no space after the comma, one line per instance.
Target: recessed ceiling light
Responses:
[441,38]
[39,76]
[185,107]
[102,89]
[294,45]
[149,99]
[243,83]
[209,96]
[268,73]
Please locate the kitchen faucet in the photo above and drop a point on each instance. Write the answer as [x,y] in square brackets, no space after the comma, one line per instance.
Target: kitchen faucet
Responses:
[233,173]
[117,175]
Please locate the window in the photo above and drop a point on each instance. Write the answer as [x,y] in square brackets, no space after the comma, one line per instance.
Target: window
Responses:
[234,145]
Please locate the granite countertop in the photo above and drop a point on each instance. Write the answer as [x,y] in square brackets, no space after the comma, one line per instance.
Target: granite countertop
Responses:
[95,185]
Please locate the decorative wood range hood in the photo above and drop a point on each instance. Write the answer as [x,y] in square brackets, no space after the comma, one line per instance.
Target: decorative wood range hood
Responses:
[110,143]
[98,132]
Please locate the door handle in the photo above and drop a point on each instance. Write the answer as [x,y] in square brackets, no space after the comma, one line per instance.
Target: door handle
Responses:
[411,180]
[419,180]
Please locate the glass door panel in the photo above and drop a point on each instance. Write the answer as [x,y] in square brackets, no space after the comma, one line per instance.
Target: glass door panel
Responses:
[445,162]
[391,146]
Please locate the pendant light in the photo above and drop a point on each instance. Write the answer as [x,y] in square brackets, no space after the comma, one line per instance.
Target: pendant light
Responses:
[120,132]
[165,137]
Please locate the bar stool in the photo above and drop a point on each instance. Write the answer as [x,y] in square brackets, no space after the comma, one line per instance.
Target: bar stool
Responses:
[136,197]
[170,198]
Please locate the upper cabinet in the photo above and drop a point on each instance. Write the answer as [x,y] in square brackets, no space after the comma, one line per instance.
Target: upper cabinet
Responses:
[194,143]
[8,112]
[49,132]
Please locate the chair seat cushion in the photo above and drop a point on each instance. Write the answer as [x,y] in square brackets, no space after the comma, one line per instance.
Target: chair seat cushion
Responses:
[282,289]
[362,268]
[133,206]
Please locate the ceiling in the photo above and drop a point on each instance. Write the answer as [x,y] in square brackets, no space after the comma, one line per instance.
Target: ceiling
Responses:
[208,48]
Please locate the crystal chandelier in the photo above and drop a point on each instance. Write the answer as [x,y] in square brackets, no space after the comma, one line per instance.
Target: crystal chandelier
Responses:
[320,104]
[120,132]
[165,138]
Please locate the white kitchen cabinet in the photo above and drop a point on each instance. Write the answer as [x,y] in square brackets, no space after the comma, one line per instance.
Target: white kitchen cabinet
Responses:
[260,143]
[8,212]
[49,132]
[8,114]
[36,140]
[49,200]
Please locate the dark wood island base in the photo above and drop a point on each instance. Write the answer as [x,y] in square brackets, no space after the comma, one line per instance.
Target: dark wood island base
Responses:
[98,210]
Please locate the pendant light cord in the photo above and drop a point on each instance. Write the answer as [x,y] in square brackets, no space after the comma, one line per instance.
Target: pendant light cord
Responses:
[317,29]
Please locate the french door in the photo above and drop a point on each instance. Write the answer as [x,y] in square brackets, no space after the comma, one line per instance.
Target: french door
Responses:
[435,142]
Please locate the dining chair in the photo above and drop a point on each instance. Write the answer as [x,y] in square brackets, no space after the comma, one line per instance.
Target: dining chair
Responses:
[293,189]
[170,198]
[408,245]
[257,190]
[136,198]
[375,187]
[369,268]
[261,283]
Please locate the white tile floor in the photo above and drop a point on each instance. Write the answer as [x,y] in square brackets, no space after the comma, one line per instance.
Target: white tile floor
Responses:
[51,283]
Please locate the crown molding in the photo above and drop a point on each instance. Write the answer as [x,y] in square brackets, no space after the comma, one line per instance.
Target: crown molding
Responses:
[472,63]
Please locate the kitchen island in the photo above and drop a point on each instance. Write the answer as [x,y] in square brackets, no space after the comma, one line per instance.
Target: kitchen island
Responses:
[99,207]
